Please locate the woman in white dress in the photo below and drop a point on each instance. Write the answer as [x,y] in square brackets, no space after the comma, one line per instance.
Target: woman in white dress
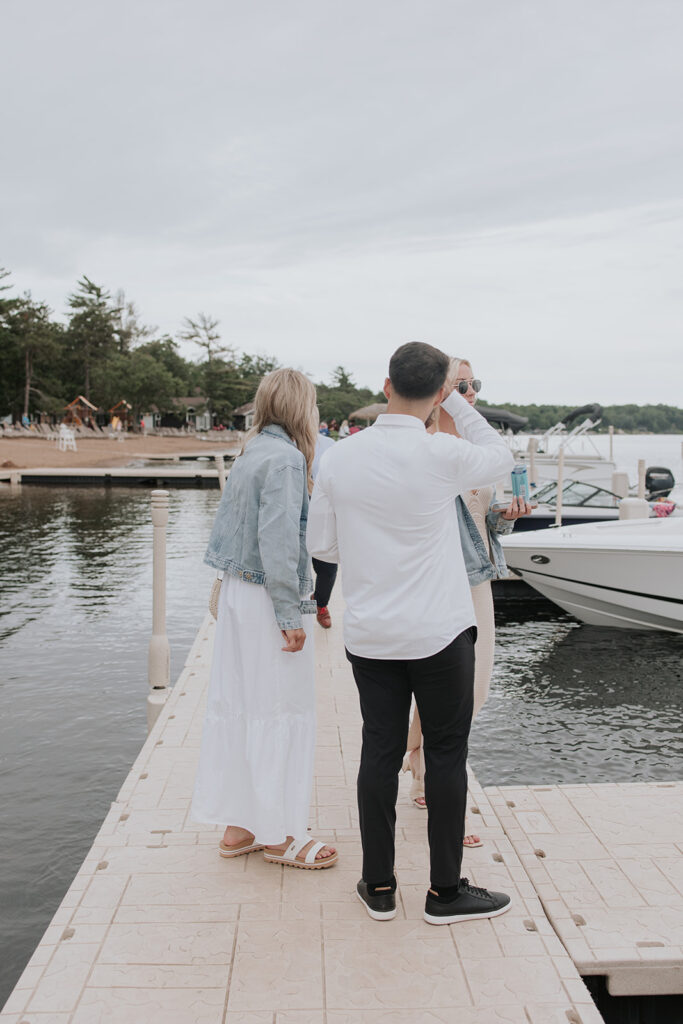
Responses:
[256,760]
[477,503]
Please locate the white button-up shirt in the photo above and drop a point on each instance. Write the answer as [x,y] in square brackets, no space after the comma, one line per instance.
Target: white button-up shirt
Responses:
[382,506]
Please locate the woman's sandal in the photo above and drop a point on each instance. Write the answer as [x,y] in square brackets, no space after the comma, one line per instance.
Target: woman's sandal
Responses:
[472,846]
[295,847]
[246,846]
[417,789]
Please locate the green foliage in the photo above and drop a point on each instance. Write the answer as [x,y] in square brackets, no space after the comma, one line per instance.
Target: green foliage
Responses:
[138,377]
[106,350]
[654,419]
[91,336]
[336,401]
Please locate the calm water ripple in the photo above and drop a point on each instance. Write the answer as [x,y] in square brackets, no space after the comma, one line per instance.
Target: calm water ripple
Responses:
[569,703]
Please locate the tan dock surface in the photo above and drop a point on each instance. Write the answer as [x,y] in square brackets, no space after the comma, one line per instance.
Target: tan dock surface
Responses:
[607,862]
[157,929]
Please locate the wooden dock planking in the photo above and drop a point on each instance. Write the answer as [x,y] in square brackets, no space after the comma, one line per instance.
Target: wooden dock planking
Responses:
[157,928]
[607,863]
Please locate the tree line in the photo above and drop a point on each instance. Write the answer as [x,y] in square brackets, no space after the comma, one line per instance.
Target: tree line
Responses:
[635,419]
[105,353]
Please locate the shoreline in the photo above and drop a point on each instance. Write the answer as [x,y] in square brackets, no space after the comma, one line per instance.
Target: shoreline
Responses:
[103,453]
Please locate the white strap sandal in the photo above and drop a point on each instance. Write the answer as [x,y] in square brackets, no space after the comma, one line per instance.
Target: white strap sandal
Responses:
[289,857]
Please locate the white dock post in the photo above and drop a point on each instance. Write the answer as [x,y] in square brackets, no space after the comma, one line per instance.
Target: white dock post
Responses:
[159,667]
[532,448]
[560,482]
[220,466]
[611,443]
[641,478]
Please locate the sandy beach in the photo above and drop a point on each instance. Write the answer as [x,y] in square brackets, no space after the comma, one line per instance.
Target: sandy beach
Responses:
[101,453]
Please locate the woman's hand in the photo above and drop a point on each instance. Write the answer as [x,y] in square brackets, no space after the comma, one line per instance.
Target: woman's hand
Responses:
[517,507]
[296,638]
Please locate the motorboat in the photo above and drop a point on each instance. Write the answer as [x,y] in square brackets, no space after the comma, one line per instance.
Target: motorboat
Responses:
[584,502]
[627,574]
[572,436]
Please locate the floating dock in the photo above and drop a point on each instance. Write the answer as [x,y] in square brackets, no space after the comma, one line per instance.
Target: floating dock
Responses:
[157,929]
[127,476]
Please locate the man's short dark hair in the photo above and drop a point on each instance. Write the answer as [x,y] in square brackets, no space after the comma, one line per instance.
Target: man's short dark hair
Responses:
[417,370]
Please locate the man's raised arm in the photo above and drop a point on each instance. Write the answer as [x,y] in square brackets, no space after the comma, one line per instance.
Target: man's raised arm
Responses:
[486,457]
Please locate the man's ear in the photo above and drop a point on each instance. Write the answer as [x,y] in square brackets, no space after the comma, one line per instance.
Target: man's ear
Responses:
[387,389]
[440,396]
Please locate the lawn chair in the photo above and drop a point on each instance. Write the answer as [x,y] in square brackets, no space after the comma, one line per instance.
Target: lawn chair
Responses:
[66,441]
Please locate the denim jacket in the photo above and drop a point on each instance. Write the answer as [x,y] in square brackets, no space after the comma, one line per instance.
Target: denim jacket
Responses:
[259,533]
[477,562]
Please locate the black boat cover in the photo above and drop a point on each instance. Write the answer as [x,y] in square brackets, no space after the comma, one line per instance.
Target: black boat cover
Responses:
[503,419]
[592,412]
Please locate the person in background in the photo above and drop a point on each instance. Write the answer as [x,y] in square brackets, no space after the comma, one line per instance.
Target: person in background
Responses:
[324,429]
[479,528]
[256,758]
[344,429]
[325,572]
[353,427]
[382,507]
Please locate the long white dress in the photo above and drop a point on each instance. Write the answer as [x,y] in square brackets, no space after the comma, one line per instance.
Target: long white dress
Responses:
[256,759]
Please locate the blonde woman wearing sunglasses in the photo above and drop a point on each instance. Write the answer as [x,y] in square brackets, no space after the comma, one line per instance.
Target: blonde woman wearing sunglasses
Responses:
[480,528]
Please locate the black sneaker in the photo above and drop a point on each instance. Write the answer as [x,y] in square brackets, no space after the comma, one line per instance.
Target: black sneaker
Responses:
[381,906]
[470,904]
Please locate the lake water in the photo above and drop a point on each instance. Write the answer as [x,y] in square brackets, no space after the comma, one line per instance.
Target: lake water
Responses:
[569,702]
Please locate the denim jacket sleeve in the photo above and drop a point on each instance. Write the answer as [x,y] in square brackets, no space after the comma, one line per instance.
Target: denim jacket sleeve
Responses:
[279,520]
[496,523]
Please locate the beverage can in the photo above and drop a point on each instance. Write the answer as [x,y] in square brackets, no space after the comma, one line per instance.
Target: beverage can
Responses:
[520,483]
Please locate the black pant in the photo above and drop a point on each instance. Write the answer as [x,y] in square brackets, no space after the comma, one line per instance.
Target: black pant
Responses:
[443,685]
[325,575]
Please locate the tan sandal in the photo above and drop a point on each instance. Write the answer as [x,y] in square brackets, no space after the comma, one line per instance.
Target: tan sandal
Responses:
[289,856]
[246,846]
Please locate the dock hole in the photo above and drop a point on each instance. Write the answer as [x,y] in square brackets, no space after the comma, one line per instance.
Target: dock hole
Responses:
[649,945]
[68,933]
[144,775]
[498,858]
[540,853]
[475,810]
[124,817]
[573,1017]
[102,866]
[578,920]
[530,925]
[511,803]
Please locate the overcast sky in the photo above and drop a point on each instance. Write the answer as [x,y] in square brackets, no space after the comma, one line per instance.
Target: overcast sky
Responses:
[501,178]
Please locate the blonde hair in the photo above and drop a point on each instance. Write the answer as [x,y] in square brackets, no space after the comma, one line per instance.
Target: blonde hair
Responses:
[288,398]
[452,374]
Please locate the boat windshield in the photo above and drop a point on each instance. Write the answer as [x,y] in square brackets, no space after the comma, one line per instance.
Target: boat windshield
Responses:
[576,492]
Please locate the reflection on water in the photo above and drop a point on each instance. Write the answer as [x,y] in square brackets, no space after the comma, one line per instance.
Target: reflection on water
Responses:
[576,703]
[568,702]
[75,622]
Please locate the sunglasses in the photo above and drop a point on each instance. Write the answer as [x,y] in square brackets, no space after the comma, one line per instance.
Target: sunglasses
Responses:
[463,385]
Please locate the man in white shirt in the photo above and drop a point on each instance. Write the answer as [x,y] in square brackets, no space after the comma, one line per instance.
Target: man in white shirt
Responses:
[384,507]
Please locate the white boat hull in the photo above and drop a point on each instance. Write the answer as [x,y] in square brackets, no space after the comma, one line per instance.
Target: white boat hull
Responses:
[627,574]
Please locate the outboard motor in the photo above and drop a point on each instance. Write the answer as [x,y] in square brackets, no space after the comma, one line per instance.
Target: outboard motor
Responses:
[659,482]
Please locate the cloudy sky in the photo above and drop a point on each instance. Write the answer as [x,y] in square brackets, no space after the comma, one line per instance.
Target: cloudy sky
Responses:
[502,178]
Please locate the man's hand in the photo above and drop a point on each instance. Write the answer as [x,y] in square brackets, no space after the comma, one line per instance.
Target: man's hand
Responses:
[295,639]
[517,507]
